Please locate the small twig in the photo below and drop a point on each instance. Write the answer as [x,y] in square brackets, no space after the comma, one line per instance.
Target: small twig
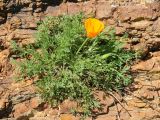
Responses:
[120,103]
[118,115]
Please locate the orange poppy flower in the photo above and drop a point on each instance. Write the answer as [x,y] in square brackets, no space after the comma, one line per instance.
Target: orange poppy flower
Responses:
[93,27]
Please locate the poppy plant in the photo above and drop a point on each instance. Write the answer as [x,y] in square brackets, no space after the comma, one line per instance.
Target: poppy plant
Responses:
[93,27]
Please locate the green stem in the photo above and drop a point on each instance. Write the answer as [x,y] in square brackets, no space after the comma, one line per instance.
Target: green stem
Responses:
[81,46]
[93,45]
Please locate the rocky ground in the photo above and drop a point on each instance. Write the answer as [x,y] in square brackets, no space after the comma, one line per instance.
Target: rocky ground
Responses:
[140,101]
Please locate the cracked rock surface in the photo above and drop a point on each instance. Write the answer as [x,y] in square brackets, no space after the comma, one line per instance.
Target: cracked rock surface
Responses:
[141,100]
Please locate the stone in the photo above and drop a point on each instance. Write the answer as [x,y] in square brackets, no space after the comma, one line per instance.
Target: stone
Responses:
[24,96]
[125,25]
[51,111]
[120,30]
[110,22]
[4,56]
[153,44]
[23,34]
[140,104]
[26,116]
[106,100]
[141,22]
[135,13]
[155,54]
[156,67]
[141,25]
[155,84]
[135,33]
[27,22]
[74,8]
[20,109]
[52,11]
[148,95]
[154,6]
[3,17]
[148,65]
[156,28]
[38,15]
[33,5]
[145,36]
[39,4]
[89,8]
[1,5]
[106,117]
[135,40]
[27,10]
[104,10]
[68,117]
[5,105]
[38,0]
[2,104]
[67,105]
[9,37]
[3,31]
[142,66]
[40,114]
[141,49]
[35,102]
[38,10]
[136,103]
[57,10]
[43,118]
[14,23]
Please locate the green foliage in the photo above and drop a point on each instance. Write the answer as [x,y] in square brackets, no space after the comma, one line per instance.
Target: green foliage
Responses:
[63,73]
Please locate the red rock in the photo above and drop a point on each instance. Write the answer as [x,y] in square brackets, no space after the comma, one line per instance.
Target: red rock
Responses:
[125,25]
[53,11]
[148,65]
[15,23]
[156,54]
[153,44]
[57,10]
[2,17]
[106,117]
[104,10]
[67,105]
[156,28]
[110,22]
[135,12]
[141,49]
[89,8]
[68,117]
[34,102]
[4,55]
[26,36]
[120,30]
[3,31]
[63,9]
[4,101]
[20,109]
[74,8]
[141,25]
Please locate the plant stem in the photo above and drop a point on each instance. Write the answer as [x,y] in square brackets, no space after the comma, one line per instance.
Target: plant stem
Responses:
[82,46]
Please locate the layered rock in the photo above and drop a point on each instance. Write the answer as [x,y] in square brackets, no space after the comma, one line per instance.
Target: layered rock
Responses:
[140,21]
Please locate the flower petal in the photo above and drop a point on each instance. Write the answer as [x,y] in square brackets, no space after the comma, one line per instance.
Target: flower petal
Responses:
[93,27]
